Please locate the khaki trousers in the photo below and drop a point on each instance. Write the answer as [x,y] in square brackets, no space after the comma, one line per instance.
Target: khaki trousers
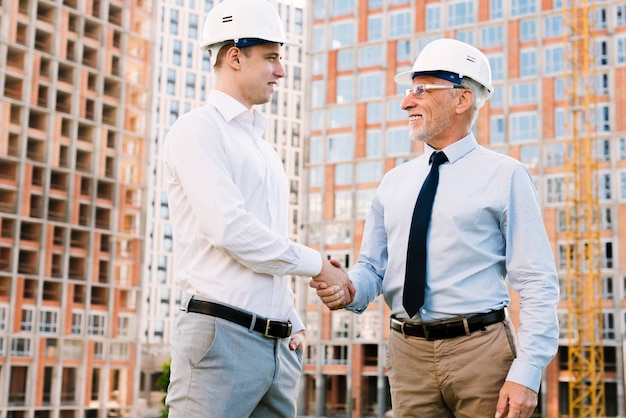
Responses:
[458,377]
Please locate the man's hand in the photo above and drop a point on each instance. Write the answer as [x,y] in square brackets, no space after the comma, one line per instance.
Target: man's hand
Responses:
[516,401]
[333,285]
[298,340]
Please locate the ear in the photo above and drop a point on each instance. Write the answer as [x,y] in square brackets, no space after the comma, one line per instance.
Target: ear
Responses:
[232,57]
[465,100]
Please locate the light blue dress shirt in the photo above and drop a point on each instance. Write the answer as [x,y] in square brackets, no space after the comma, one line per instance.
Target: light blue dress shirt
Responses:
[486,226]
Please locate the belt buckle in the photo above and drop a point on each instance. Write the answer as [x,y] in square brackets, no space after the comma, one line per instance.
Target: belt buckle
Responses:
[268,325]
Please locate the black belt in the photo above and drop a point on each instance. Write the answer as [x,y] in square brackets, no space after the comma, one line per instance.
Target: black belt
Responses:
[271,328]
[449,328]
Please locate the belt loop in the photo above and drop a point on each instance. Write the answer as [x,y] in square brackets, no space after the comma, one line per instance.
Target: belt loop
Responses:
[402,328]
[252,323]
[466,326]
[184,305]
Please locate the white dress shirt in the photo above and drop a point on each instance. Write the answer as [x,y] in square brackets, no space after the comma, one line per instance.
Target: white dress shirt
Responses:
[486,225]
[228,201]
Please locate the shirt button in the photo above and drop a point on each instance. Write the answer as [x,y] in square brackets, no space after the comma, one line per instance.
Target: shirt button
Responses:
[423,311]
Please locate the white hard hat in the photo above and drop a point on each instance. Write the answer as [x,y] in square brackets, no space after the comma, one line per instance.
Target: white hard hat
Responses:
[243,22]
[451,60]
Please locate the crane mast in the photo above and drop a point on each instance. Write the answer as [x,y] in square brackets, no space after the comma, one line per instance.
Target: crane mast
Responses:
[584,256]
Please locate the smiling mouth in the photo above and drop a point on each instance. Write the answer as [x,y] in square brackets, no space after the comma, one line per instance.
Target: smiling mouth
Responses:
[414,118]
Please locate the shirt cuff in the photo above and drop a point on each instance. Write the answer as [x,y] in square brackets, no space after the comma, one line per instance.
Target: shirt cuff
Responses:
[525,374]
[310,261]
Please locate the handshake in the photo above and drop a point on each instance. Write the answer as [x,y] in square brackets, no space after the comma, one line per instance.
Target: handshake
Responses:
[333,285]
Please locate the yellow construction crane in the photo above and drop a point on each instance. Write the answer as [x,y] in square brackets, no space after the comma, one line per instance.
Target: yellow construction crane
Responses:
[584,280]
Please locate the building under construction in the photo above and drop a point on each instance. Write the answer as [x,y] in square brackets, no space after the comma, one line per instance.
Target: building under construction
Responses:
[80,128]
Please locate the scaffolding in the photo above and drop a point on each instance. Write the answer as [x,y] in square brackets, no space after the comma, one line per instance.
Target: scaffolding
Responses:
[584,256]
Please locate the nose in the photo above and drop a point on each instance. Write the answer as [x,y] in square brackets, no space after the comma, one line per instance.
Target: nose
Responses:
[408,102]
[279,70]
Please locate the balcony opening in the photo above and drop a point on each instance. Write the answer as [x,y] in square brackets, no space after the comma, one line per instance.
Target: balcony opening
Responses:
[30,289]
[77,268]
[5,258]
[56,210]
[13,87]
[30,231]
[27,262]
[52,291]
[36,150]
[56,269]
[8,201]
[8,226]
[8,171]
[59,181]
[103,218]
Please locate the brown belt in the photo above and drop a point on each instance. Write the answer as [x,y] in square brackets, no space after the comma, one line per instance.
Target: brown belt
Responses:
[449,328]
[271,328]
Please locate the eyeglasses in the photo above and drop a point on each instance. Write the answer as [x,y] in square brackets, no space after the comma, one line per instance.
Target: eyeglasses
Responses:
[419,90]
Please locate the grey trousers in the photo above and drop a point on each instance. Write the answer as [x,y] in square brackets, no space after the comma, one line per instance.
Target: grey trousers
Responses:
[221,370]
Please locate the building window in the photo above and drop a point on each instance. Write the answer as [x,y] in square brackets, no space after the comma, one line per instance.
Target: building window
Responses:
[369,172]
[555,154]
[341,148]
[341,117]
[608,326]
[345,60]
[77,323]
[555,190]
[336,354]
[370,56]
[341,7]
[343,174]
[607,255]
[345,89]
[21,347]
[343,205]
[3,317]
[364,202]
[48,321]
[496,10]
[367,327]
[524,127]
[342,34]
[496,62]
[529,155]
[491,36]
[341,325]
[315,207]
[96,324]
[98,350]
[553,26]
[604,186]
[398,142]
[371,86]
[433,17]
[553,60]
[528,63]
[607,288]
[523,7]
[496,130]
[124,326]
[523,94]
[461,13]
[399,24]
[528,30]
[119,351]
[26,323]
[374,28]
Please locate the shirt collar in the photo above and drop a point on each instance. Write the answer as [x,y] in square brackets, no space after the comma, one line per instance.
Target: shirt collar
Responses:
[456,150]
[230,109]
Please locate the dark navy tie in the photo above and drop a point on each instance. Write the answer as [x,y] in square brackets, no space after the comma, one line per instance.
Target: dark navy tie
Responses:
[415,278]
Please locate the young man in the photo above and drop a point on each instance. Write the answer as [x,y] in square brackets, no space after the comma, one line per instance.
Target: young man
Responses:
[441,263]
[237,345]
